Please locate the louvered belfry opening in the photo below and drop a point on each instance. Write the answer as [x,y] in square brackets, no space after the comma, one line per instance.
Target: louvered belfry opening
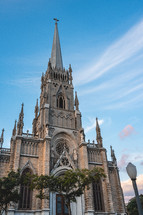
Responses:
[25,193]
[98,196]
[61,102]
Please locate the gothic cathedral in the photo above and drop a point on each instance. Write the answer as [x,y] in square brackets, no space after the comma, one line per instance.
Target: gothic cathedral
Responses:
[57,144]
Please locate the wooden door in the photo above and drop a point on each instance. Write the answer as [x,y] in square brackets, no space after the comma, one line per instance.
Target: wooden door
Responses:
[61,208]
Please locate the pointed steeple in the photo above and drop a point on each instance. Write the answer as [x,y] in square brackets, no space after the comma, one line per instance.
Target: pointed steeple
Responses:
[34,129]
[20,123]
[56,56]
[98,133]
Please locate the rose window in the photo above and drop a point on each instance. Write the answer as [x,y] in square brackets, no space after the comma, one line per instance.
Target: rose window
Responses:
[60,148]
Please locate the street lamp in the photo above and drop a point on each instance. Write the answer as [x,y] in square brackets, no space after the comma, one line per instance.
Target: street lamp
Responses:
[132,172]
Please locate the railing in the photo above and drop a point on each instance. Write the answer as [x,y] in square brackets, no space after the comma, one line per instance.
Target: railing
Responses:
[93,144]
[4,151]
[28,135]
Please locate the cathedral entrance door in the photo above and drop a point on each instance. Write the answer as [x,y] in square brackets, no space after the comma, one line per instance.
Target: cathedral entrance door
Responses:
[61,208]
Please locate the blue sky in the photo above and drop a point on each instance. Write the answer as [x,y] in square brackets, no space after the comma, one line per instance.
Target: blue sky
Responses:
[103,41]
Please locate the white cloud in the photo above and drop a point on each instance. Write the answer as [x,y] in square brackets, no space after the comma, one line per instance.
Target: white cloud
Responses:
[122,79]
[93,125]
[121,50]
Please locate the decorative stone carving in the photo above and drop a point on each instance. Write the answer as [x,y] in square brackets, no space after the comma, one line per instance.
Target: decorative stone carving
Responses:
[114,160]
[82,135]
[75,155]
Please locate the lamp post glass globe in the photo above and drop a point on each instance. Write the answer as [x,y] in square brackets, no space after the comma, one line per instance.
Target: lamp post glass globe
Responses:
[132,171]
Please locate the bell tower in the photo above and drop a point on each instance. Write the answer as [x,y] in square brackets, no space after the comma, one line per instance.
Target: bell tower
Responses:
[58,118]
[57,106]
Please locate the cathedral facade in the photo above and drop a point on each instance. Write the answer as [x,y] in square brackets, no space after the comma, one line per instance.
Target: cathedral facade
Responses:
[57,144]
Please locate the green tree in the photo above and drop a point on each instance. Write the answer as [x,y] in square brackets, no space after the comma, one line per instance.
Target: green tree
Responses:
[71,184]
[132,206]
[9,192]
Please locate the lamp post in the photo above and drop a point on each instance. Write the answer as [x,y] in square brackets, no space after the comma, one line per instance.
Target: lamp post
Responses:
[132,172]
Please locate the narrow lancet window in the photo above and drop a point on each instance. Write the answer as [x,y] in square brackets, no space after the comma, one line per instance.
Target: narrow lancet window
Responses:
[98,197]
[25,193]
[61,102]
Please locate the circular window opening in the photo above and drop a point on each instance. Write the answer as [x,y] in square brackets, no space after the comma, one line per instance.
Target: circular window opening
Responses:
[60,148]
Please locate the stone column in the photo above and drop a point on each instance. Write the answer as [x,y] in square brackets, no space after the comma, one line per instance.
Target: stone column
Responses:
[17,152]
[121,203]
[46,170]
[83,163]
[107,193]
[78,119]
[12,147]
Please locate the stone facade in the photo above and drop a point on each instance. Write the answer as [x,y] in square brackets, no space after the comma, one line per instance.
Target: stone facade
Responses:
[58,143]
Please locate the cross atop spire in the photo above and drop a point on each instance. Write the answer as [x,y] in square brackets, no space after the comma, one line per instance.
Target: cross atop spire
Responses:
[56,56]
[56,20]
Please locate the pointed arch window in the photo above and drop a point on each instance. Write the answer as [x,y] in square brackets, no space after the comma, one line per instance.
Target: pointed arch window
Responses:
[25,193]
[98,196]
[61,101]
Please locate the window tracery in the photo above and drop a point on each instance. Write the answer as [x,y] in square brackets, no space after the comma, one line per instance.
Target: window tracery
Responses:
[60,148]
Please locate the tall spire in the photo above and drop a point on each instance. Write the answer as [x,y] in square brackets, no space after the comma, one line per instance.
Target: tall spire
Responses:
[56,56]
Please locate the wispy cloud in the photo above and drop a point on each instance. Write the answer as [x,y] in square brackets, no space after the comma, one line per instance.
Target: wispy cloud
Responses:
[121,50]
[112,82]
[93,124]
[126,158]
[24,82]
[128,187]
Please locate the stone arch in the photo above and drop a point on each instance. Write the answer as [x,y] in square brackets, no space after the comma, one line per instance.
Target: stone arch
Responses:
[61,98]
[60,170]
[76,207]
[65,138]
[28,165]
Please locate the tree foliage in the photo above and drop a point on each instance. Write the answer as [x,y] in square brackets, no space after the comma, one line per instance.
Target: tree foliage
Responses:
[9,192]
[71,184]
[132,206]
